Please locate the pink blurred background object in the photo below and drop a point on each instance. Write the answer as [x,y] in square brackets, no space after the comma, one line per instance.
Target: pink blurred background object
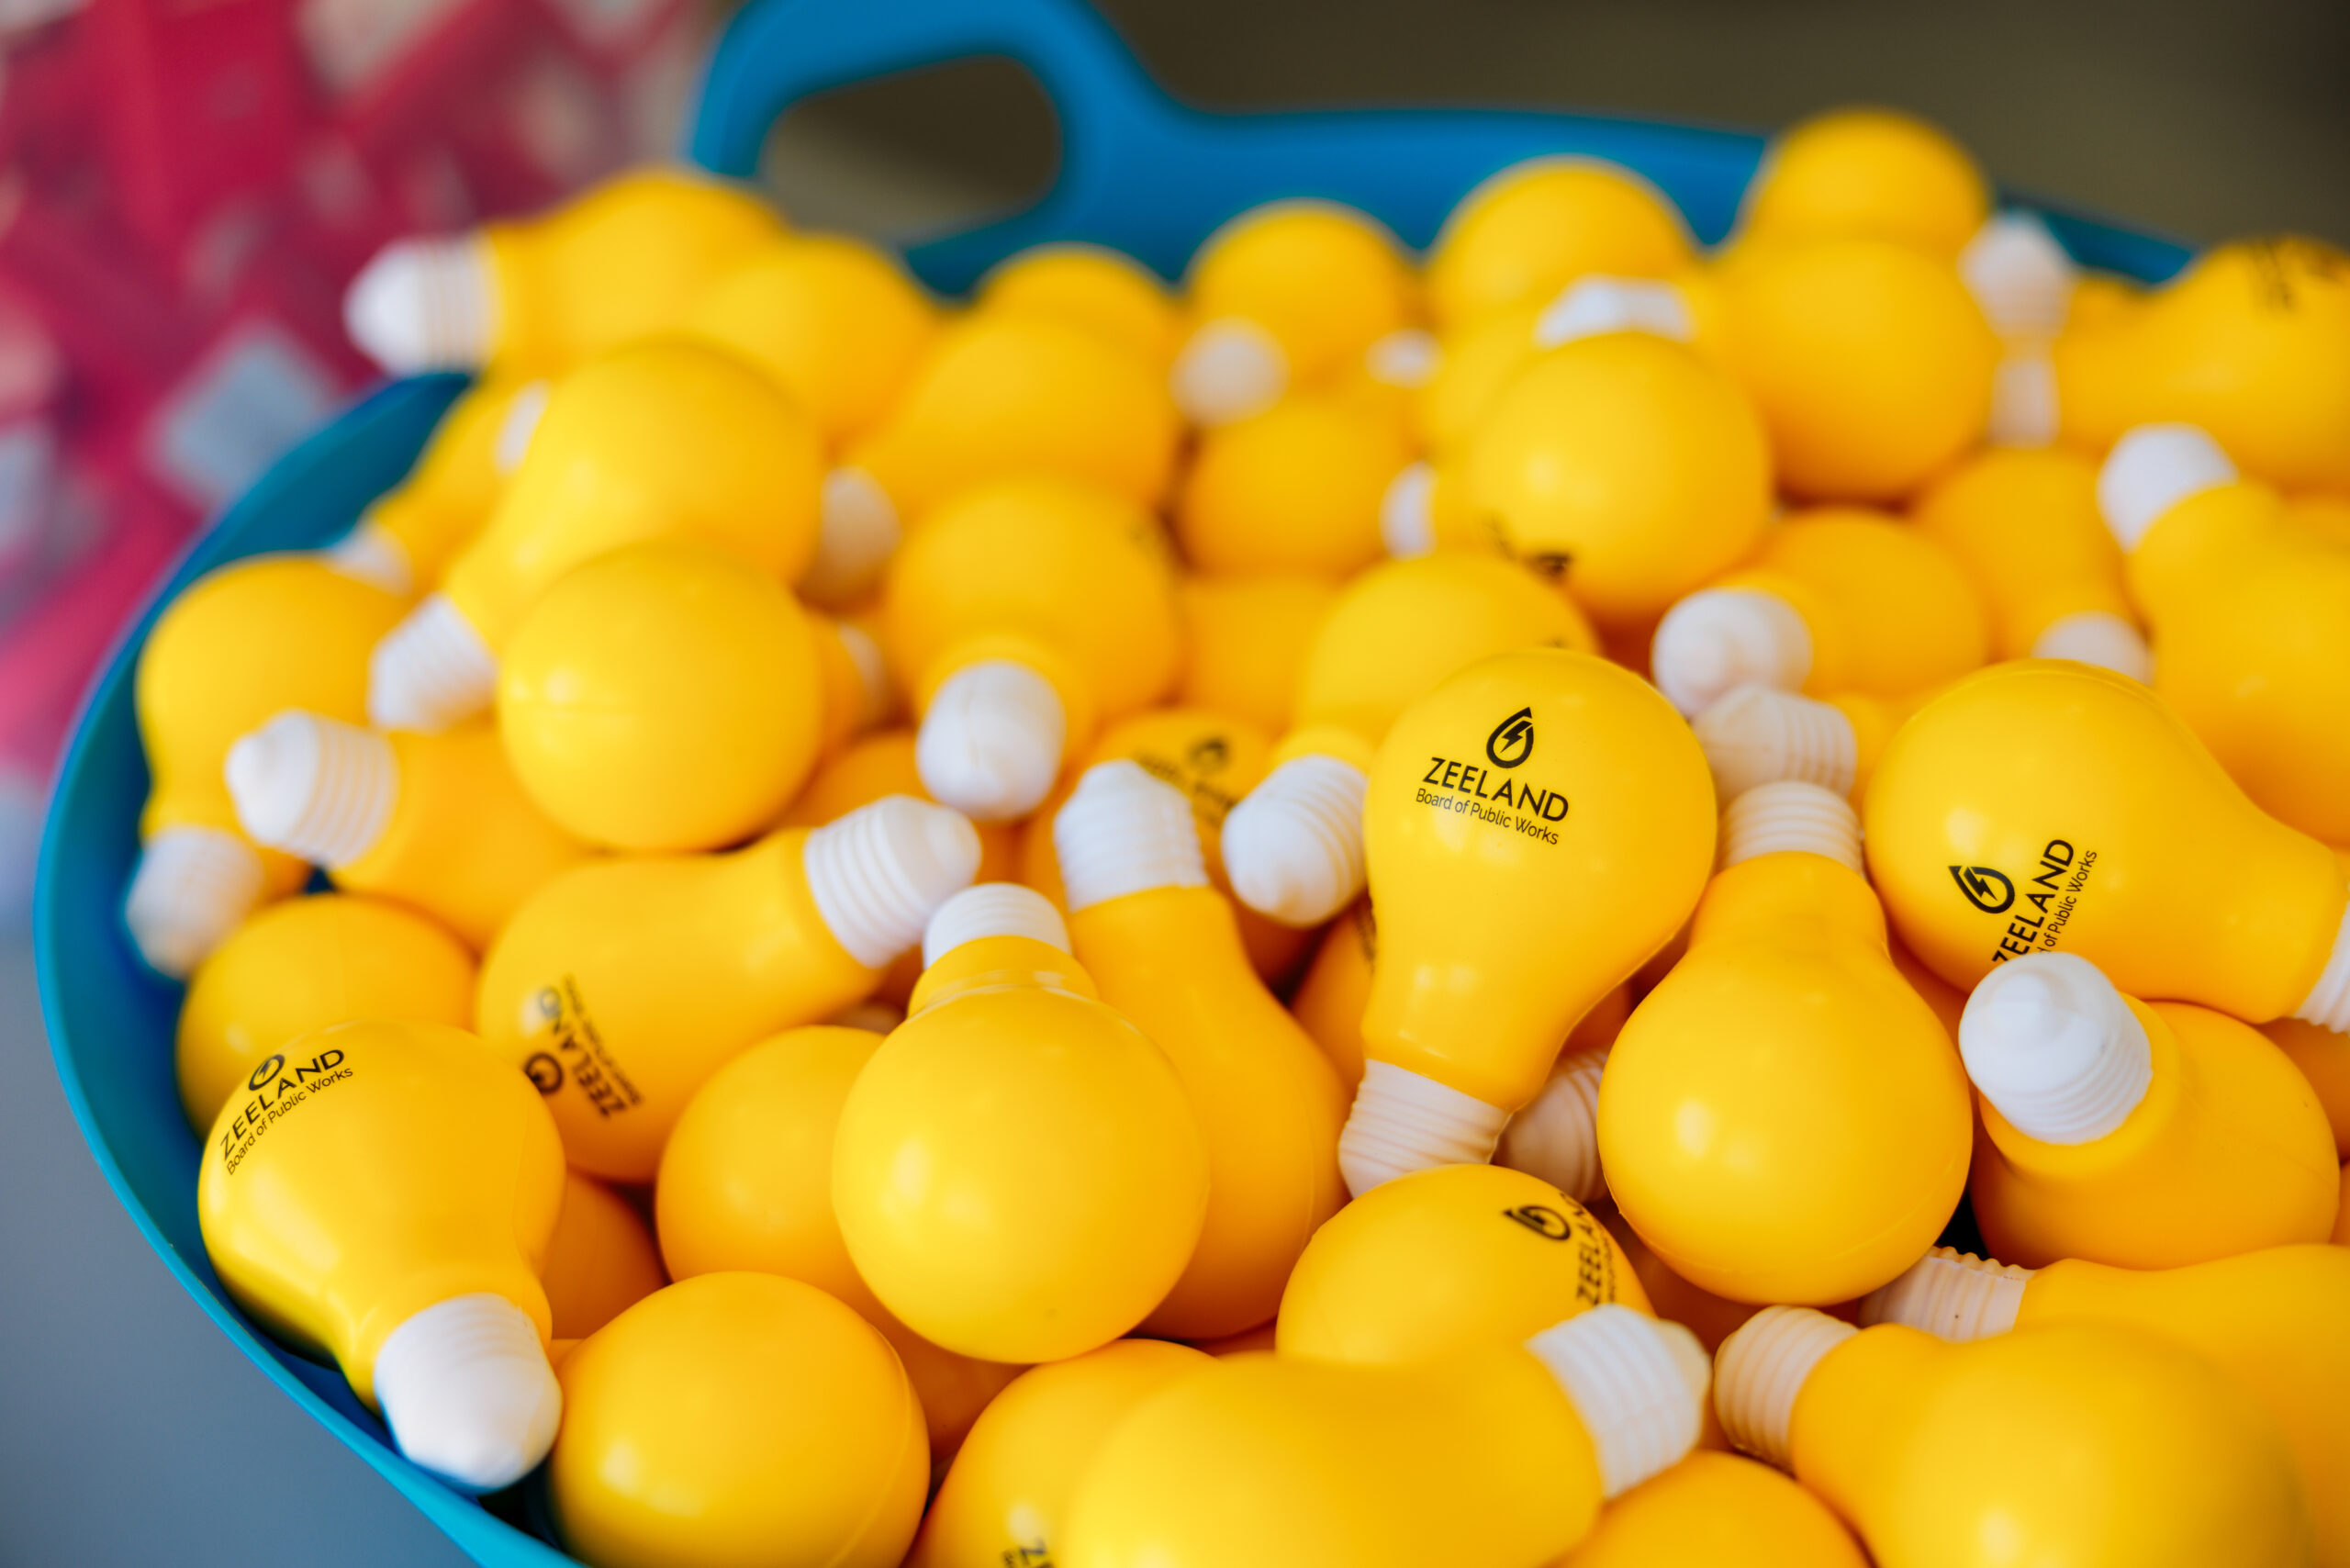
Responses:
[185,188]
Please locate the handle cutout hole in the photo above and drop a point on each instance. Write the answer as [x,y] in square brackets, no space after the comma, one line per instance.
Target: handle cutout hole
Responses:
[916,155]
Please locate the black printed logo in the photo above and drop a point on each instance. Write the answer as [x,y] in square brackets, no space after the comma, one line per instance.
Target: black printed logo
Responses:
[266,1071]
[1209,754]
[1511,741]
[545,1073]
[1541,1219]
[1986,890]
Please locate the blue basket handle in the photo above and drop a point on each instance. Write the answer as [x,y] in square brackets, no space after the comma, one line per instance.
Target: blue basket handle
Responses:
[775,52]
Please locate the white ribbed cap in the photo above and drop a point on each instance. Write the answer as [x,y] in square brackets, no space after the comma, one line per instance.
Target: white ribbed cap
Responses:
[2025,410]
[373,556]
[423,305]
[465,1387]
[856,534]
[2096,637]
[991,743]
[2054,1049]
[524,409]
[314,787]
[1757,734]
[1792,816]
[1594,306]
[1122,831]
[2328,1005]
[2019,275]
[1403,1122]
[1761,1369]
[193,887]
[430,671]
[880,873]
[1293,845]
[1719,638]
[2153,468]
[1638,1382]
[1555,1134]
[1406,357]
[1407,511]
[1951,1294]
[1227,370]
[993,908]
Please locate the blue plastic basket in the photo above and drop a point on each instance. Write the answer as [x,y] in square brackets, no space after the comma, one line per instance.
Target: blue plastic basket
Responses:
[1138,171]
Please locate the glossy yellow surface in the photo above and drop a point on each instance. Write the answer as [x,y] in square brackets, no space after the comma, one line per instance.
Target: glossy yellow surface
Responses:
[1007,1496]
[2323,1056]
[668,439]
[1248,638]
[834,321]
[1071,580]
[1325,281]
[1294,489]
[1476,1461]
[2095,1445]
[1869,362]
[374,1169]
[664,696]
[624,984]
[1867,173]
[303,965]
[1710,1317]
[2272,1320]
[1400,628]
[2024,525]
[1017,1172]
[746,1183]
[1716,1509]
[1269,1104]
[1889,610]
[1532,229]
[1458,1258]
[1624,466]
[2252,343]
[1331,998]
[737,1421]
[453,486]
[620,262]
[243,645]
[463,842]
[1015,393]
[1091,286]
[1784,1119]
[1537,826]
[2251,618]
[601,1261]
[2089,796]
[2229,1152]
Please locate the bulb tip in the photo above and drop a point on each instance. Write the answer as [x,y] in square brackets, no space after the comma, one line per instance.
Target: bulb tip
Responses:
[2054,1049]
[1719,638]
[1293,845]
[991,743]
[2153,468]
[1227,370]
[993,908]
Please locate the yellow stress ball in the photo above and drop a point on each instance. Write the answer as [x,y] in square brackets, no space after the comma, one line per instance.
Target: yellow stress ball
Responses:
[1018,1173]
[1868,360]
[304,965]
[1456,1258]
[664,697]
[737,1421]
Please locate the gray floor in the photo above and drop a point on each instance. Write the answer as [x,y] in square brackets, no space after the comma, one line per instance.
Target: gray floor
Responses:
[130,1432]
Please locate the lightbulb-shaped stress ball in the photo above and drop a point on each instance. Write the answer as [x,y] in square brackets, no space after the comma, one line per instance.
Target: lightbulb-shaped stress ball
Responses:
[624,984]
[1548,797]
[1021,616]
[241,646]
[384,1192]
[2049,807]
